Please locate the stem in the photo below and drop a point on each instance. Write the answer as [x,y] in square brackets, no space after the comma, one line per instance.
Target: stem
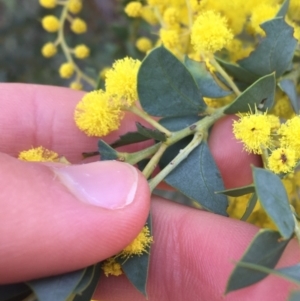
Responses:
[265,270]
[183,154]
[225,76]
[133,158]
[66,50]
[150,120]
[148,170]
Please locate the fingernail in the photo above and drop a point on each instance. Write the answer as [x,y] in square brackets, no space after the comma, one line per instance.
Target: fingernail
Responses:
[107,184]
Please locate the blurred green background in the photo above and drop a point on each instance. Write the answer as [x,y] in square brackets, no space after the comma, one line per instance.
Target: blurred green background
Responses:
[111,35]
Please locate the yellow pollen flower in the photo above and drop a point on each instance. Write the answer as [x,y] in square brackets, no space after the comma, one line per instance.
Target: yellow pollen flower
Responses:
[148,15]
[143,44]
[171,16]
[81,51]
[49,50]
[38,154]
[78,26]
[66,70]
[50,23]
[210,32]
[75,6]
[282,160]
[290,133]
[140,244]
[121,81]
[96,115]
[76,86]
[133,9]
[254,130]
[169,38]
[48,3]
[111,267]
[103,72]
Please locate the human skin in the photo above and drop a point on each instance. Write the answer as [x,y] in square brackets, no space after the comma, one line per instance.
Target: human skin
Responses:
[45,229]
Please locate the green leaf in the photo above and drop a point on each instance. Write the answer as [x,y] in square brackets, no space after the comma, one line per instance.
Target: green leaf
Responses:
[275,52]
[265,250]
[57,288]
[283,9]
[85,281]
[165,86]
[204,79]
[198,178]
[106,152]
[274,199]
[89,290]
[150,133]
[12,291]
[291,273]
[237,72]
[238,191]
[294,296]
[250,207]
[136,268]
[260,94]
[129,138]
[288,87]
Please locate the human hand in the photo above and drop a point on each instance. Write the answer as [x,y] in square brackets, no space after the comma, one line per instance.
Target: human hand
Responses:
[45,230]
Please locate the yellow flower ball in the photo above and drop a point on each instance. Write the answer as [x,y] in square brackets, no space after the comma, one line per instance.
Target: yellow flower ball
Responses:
[49,50]
[48,3]
[133,9]
[38,154]
[76,86]
[78,26]
[75,6]
[282,160]
[81,51]
[66,70]
[103,73]
[210,32]
[144,44]
[50,23]
[96,115]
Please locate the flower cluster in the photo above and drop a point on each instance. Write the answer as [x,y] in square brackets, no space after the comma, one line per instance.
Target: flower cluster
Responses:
[100,112]
[51,23]
[261,133]
[137,247]
[39,154]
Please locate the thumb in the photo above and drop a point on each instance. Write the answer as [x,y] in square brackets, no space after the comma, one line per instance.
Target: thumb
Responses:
[56,218]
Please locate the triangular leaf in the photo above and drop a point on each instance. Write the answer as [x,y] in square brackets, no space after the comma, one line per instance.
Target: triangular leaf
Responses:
[288,87]
[238,191]
[260,95]
[274,199]
[136,268]
[198,178]
[57,288]
[106,152]
[89,291]
[204,79]
[165,86]
[275,52]
[265,250]
[250,207]
[237,72]
[283,9]
[175,124]
[129,138]
[150,133]
[291,273]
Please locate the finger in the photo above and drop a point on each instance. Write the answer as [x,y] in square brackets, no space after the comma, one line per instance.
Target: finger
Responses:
[34,115]
[192,258]
[233,162]
[57,218]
